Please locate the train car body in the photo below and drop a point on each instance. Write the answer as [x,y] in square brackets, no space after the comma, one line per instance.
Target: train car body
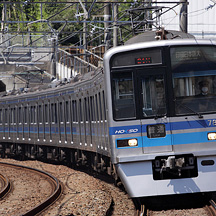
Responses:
[162,116]
[62,123]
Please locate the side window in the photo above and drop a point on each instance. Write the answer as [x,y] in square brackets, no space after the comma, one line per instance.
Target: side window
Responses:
[80,111]
[12,115]
[67,113]
[33,114]
[74,110]
[100,107]
[20,115]
[46,113]
[97,109]
[92,103]
[53,113]
[6,115]
[39,113]
[25,113]
[87,110]
[61,112]
[1,115]
[104,105]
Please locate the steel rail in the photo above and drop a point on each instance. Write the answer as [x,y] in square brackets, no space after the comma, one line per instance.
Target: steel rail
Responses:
[143,211]
[211,209]
[6,186]
[51,199]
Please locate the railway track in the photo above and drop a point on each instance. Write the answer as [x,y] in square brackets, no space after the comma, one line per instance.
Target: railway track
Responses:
[143,211]
[54,184]
[211,208]
[200,205]
[5,186]
[84,193]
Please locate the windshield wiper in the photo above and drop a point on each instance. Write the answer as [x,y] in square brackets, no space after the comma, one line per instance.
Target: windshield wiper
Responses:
[160,115]
[186,107]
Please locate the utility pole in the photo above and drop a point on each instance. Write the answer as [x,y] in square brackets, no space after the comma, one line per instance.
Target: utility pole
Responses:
[85,30]
[115,29]
[183,18]
[106,26]
[54,42]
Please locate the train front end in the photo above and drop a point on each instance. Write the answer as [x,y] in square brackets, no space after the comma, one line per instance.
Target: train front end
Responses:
[161,100]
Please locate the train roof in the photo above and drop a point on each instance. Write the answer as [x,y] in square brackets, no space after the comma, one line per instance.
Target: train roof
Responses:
[156,35]
[52,87]
[153,44]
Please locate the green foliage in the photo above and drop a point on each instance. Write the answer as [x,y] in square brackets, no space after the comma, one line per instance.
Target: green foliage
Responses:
[42,17]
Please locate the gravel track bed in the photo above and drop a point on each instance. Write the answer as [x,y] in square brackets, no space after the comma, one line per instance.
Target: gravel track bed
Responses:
[82,194]
[28,190]
[179,212]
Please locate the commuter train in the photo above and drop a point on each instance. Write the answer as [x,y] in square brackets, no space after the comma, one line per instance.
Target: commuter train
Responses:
[148,117]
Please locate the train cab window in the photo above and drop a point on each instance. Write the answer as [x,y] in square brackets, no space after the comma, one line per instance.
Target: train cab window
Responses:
[123,96]
[194,79]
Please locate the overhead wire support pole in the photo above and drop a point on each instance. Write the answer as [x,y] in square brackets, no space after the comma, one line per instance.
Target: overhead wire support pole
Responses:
[89,11]
[183,19]
[106,26]
[115,29]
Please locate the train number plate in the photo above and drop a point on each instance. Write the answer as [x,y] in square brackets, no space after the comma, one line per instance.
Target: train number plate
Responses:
[155,131]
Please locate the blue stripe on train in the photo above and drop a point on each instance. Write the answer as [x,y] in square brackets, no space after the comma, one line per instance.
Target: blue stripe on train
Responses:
[177,139]
[184,125]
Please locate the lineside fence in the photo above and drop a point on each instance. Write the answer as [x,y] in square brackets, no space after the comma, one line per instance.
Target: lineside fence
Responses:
[77,61]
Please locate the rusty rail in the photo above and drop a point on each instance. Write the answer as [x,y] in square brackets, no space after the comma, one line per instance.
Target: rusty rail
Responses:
[51,199]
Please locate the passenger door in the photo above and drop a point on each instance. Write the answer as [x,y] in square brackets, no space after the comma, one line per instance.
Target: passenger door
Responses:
[156,130]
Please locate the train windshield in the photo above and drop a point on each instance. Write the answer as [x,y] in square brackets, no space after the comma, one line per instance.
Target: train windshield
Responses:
[194,79]
[123,95]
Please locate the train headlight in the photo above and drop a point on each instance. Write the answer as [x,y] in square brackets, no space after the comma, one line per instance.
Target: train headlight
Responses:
[132,142]
[127,143]
[212,136]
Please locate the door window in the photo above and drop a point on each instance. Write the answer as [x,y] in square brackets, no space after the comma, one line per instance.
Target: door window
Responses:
[153,96]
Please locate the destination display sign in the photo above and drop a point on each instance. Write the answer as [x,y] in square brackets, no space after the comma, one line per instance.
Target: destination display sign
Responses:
[143,60]
[188,55]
